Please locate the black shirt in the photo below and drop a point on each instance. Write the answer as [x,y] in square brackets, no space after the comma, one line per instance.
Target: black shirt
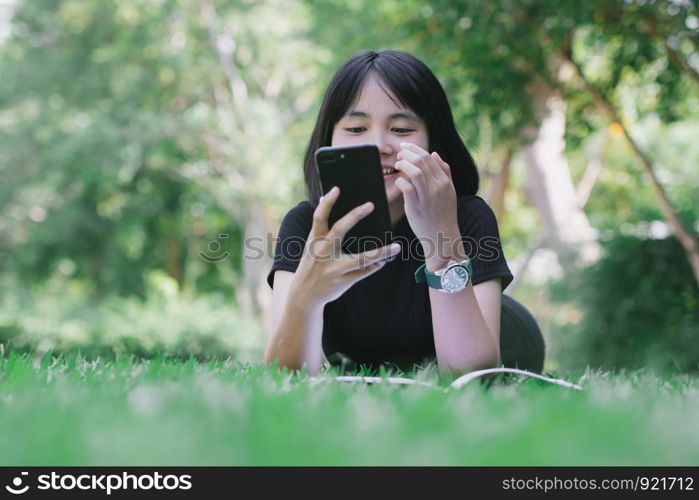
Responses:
[386,317]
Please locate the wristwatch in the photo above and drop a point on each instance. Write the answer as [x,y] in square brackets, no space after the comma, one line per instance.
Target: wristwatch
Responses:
[453,278]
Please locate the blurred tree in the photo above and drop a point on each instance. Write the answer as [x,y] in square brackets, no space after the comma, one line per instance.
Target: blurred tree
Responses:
[135,132]
[541,43]
[94,98]
[261,88]
[651,320]
[624,28]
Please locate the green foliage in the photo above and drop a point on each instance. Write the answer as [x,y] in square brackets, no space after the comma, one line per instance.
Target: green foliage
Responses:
[98,146]
[490,56]
[648,41]
[64,319]
[640,307]
[120,150]
[623,194]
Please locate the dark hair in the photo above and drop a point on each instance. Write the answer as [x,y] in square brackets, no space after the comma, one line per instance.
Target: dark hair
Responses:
[417,88]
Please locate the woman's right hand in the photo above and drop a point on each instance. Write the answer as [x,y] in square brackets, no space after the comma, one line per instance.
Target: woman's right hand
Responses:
[324,272]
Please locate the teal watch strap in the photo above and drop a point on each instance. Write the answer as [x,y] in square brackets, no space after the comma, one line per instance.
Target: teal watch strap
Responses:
[433,280]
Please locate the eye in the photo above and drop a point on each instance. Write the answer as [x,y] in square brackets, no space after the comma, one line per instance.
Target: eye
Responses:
[403,130]
[354,130]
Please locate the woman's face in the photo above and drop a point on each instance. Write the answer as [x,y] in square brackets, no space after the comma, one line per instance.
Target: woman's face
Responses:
[377,119]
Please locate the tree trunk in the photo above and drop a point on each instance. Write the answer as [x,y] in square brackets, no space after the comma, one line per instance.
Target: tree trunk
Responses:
[253,294]
[583,190]
[235,167]
[675,57]
[687,239]
[593,168]
[497,187]
[549,185]
[173,260]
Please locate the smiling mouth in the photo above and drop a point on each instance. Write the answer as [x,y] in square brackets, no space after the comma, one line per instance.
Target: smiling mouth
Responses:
[388,171]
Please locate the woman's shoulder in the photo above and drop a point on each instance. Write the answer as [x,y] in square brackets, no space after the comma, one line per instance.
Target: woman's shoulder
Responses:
[475,215]
[299,216]
[302,208]
[470,198]
[476,205]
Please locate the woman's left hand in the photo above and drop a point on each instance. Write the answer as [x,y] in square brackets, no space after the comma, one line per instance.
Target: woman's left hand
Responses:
[428,192]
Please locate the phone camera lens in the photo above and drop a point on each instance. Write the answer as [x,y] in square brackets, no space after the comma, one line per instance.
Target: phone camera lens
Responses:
[342,156]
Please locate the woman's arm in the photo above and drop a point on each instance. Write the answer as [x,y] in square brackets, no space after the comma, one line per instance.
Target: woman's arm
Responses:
[297,327]
[324,273]
[466,324]
[465,339]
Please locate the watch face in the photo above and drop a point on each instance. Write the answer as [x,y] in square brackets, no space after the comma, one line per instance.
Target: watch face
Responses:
[455,279]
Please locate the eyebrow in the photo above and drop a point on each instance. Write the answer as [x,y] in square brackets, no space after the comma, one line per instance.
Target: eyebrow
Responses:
[402,114]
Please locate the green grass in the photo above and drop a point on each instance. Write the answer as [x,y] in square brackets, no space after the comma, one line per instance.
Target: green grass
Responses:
[71,411]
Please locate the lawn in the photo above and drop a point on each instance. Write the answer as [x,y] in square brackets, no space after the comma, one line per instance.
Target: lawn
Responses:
[73,411]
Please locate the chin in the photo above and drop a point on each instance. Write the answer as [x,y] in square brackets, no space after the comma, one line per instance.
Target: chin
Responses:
[394,195]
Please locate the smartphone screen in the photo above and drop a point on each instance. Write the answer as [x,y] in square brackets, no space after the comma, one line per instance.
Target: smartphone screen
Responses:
[356,170]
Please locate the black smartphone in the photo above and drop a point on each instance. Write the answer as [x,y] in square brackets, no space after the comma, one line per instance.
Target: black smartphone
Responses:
[356,170]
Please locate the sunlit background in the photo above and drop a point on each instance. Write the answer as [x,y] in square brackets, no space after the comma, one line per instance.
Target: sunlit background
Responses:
[143,142]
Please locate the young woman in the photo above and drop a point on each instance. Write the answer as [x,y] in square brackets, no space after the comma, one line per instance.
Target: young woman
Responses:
[344,307]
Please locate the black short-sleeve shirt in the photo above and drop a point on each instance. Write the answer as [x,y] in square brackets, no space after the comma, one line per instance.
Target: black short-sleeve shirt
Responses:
[386,317]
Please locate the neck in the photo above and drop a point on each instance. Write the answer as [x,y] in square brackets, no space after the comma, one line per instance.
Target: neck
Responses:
[396,210]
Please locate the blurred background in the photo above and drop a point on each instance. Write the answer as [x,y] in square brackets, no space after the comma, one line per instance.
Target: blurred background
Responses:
[143,142]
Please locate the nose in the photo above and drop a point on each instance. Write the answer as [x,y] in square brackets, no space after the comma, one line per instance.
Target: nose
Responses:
[383,142]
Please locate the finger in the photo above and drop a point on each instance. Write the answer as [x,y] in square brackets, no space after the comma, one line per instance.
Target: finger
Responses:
[360,274]
[409,194]
[347,221]
[371,257]
[420,158]
[414,176]
[322,211]
[443,165]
